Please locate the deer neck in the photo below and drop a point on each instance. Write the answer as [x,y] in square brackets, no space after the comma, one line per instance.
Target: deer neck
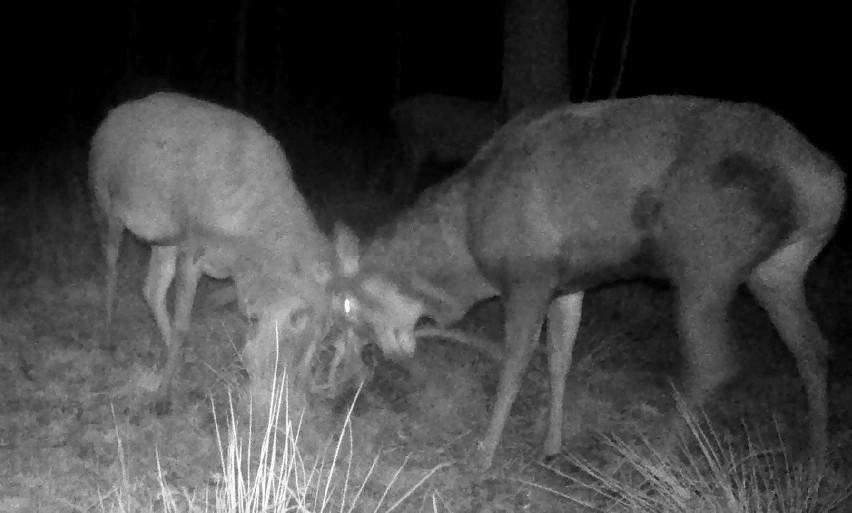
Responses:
[425,249]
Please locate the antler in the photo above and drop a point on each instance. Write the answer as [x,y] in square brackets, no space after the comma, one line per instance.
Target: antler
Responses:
[482,345]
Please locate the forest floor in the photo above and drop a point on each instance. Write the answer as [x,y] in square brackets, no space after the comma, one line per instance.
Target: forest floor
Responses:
[76,433]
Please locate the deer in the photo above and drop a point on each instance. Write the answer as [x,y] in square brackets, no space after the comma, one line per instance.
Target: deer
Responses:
[437,129]
[213,194]
[706,194]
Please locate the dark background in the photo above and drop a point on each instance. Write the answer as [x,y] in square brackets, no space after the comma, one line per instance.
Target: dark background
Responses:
[67,63]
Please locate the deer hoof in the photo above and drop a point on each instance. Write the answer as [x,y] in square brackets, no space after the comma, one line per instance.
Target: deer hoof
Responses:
[484,458]
[549,459]
[162,406]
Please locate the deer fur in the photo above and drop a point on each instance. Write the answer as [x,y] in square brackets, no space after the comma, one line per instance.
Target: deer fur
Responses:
[213,193]
[705,194]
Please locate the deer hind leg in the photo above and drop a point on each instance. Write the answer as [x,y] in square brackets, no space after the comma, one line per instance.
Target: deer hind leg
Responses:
[161,272]
[190,273]
[705,328]
[563,322]
[778,285]
[712,231]
[111,233]
[112,244]
[525,307]
[705,331]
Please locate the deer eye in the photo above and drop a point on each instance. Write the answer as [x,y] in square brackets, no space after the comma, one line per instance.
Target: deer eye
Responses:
[347,305]
[299,319]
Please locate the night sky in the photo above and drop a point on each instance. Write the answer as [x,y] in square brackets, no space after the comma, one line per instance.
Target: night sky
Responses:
[66,64]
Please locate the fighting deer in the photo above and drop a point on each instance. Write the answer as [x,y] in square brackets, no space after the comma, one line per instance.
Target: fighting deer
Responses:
[444,130]
[703,193]
[213,193]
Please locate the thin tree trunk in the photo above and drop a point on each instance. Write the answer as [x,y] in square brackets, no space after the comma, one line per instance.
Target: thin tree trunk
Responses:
[132,38]
[168,66]
[625,44]
[240,55]
[279,87]
[398,52]
[593,63]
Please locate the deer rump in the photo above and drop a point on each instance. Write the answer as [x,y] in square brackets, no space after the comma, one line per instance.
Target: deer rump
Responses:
[706,194]
[440,130]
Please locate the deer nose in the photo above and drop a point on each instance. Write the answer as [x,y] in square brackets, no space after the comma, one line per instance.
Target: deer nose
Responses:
[396,342]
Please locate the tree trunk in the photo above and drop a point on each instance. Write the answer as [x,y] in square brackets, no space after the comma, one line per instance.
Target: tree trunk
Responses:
[535,53]
[279,88]
[240,55]
[132,38]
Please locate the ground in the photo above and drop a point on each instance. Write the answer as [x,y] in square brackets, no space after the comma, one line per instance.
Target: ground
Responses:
[76,435]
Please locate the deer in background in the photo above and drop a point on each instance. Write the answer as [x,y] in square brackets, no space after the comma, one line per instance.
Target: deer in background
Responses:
[213,193]
[444,130]
[703,193]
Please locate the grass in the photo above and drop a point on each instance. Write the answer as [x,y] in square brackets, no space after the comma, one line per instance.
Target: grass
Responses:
[705,472]
[278,476]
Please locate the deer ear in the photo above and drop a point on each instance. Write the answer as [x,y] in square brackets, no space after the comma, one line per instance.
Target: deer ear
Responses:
[348,249]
